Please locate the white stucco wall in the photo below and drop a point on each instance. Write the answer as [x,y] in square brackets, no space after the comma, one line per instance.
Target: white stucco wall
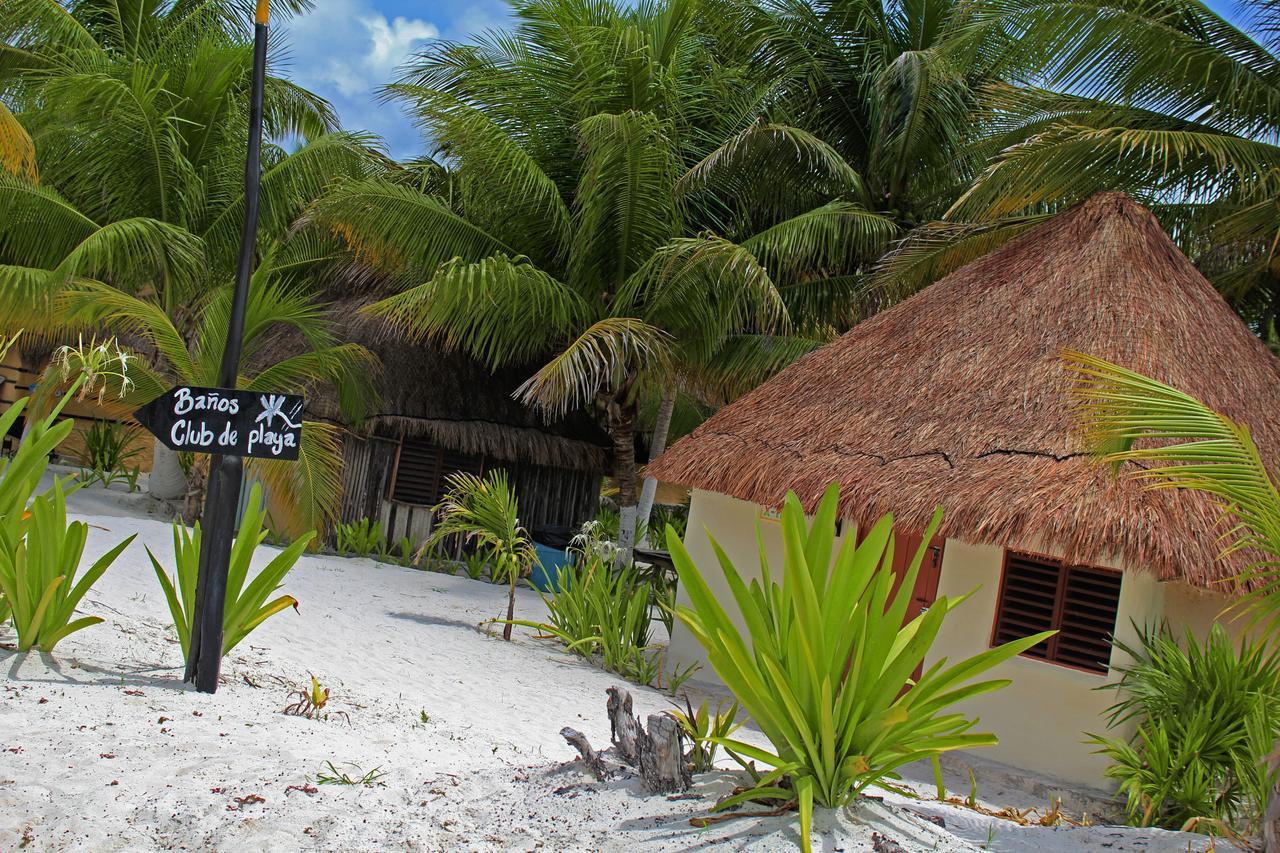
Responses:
[1043,716]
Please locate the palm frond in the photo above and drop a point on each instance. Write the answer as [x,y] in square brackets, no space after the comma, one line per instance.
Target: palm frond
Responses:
[101,304]
[1070,162]
[603,359]
[306,494]
[513,194]
[17,151]
[288,188]
[624,201]
[771,158]
[396,228]
[744,362]
[498,309]
[935,249]
[824,241]
[347,367]
[699,289]
[1185,445]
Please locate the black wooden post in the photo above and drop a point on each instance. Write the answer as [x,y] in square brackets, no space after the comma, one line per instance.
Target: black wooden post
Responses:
[225,471]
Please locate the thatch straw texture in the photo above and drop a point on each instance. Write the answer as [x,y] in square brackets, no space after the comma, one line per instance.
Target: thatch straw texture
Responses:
[450,399]
[958,397]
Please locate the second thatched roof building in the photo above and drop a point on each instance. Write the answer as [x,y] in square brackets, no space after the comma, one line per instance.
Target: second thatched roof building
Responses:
[957,398]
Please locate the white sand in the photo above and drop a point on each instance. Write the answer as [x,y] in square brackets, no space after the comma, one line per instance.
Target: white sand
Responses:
[103,748]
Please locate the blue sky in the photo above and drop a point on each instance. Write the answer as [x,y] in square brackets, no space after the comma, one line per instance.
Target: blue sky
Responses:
[345,49]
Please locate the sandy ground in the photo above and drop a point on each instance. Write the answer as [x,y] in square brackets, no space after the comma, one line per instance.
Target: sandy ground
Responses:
[103,748]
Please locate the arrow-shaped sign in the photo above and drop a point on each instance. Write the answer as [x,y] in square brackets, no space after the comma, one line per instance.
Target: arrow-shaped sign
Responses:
[226,421]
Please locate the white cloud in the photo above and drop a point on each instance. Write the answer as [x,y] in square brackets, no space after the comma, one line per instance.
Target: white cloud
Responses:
[345,50]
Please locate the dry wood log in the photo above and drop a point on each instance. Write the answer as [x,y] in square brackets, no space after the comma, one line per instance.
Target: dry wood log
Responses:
[594,763]
[662,765]
[657,753]
[624,728]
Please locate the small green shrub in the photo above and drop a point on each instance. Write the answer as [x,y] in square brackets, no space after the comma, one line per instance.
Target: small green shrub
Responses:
[246,605]
[597,611]
[363,538]
[38,576]
[663,516]
[476,565]
[1207,714]
[825,669]
[110,446]
[706,731]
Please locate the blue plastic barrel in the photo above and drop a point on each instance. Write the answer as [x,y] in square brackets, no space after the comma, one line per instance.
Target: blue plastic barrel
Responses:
[546,576]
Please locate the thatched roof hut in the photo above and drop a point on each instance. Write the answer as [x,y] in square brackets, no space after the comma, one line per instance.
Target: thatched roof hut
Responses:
[454,401]
[957,397]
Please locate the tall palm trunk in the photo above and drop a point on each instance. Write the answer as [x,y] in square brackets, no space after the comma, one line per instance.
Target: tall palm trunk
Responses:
[649,489]
[167,481]
[622,429]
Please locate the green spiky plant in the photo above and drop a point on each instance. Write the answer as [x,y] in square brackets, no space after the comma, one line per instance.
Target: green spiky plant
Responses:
[40,552]
[38,574]
[596,610]
[361,538]
[825,666]
[1205,712]
[247,605]
[1200,450]
[484,512]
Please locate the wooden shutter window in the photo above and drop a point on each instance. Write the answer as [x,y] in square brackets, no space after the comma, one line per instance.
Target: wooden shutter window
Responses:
[422,469]
[1080,602]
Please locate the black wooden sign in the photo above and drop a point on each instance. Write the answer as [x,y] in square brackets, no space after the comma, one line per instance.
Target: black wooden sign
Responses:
[226,421]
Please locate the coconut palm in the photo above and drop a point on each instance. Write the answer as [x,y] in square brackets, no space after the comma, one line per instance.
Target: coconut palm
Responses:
[894,87]
[1202,450]
[484,512]
[1168,101]
[617,207]
[123,201]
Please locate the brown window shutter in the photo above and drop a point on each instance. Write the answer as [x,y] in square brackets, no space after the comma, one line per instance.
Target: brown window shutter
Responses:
[1090,601]
[417,478]
[1079,602]
[1028,601]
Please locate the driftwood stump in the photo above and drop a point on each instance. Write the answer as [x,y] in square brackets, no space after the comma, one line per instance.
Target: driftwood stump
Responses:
[595,764]
[624,728]
[662,765]
[658,752]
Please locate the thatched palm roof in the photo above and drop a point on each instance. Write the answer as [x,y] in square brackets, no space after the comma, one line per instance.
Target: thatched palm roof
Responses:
[451,399]
[957,397]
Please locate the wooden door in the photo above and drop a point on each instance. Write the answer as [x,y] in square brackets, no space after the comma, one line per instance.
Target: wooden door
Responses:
[926,587]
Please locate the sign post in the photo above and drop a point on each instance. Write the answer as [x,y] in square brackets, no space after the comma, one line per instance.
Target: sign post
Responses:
[204,658]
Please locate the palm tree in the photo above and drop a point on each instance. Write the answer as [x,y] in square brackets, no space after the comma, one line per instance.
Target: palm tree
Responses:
[123,200]
[485,513]
[613,204]
[1169,102]
[1201,450]
[894,87]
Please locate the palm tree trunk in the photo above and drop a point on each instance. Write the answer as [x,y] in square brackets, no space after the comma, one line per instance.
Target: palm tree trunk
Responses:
[1271,816]
[166,482]
[511,608]
[649,489]
[622,429]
